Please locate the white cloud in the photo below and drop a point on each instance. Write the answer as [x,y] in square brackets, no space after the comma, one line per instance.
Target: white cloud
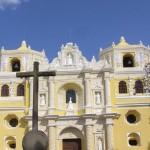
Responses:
[11,3]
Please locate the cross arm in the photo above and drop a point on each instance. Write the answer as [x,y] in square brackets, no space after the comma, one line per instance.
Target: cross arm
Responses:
[50,73]
[24,74]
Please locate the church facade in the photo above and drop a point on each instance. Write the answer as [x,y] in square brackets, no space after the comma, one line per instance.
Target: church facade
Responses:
[88,105]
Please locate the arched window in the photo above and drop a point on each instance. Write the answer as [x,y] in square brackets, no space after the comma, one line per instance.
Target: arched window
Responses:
[128,61]
[20,90]
[138,86]
[70,94]
[122,87]
[15,63]
[5,90]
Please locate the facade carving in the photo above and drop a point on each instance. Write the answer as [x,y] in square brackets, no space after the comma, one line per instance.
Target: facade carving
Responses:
[89,114]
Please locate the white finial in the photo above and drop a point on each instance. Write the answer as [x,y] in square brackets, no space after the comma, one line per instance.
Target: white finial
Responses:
[2,49]
[93,59]
[62,46]
[76,46]
[122,39]
[113,43]
[43,51]
[141,43]
[100,49]
[29,47]
[23,44]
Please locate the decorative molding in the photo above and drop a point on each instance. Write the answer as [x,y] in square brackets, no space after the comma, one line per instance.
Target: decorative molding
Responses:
[133,105]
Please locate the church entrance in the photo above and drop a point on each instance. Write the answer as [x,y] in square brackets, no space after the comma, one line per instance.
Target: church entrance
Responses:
[72,144]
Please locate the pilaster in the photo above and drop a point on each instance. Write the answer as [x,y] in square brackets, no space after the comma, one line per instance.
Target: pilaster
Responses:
[109,134]
[52,139]
[87,92]
[89,136]
[51,94]
[107,91]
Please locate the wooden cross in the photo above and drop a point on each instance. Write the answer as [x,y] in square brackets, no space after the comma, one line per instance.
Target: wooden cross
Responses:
[35,74]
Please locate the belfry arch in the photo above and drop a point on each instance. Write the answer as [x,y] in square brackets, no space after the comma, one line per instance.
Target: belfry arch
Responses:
[128,60]
[15,65]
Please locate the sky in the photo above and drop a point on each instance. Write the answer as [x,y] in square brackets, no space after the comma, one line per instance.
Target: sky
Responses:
[91,24]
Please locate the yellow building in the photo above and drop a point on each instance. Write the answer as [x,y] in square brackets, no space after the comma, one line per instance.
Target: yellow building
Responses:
[128,95]
[88,105]
[14,94]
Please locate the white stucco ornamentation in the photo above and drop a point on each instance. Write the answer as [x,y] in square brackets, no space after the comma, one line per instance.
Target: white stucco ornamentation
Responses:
[70,132]
[12,88]
[118,57]
[138,59]
[24,63]
[5,63]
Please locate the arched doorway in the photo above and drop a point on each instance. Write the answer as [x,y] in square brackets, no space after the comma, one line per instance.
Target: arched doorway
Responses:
[72,139]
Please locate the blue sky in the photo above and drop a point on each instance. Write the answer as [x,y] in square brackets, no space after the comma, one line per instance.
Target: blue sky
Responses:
[91,24]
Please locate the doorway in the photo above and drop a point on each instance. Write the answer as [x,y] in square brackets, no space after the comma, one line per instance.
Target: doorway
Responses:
[72,144]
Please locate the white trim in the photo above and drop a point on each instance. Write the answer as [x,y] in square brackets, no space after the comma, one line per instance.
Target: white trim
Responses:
[133,105]
[12,108]
[14,98]
[134,97]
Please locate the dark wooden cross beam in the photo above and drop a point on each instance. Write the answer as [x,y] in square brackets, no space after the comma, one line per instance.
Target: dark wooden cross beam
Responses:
[35,74]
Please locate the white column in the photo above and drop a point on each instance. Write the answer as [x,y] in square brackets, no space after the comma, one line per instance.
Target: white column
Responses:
[107,89]
[51,94]
[109,134]
[89,137]
[52,140]
[31,93]
[87,93]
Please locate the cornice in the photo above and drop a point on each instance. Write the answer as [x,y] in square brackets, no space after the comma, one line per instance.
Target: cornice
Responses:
[133,105]
[12,108]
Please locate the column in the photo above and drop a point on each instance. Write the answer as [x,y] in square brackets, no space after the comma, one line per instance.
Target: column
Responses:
[31,93]
[52,139]
[27,94]
[87,93]
[89,137]
[109,134]
[51,94]
[107,89]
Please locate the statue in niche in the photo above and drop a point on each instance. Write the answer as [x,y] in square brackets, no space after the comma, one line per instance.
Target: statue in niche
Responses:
[80,62]
[99,144]
[70,106]
[98,98]
[42,100]
[57,63]
[69,59]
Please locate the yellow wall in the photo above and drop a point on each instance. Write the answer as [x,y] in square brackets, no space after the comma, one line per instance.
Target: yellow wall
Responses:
[122,127]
